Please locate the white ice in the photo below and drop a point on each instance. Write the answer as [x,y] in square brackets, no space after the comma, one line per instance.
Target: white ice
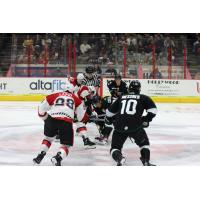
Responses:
[174,135]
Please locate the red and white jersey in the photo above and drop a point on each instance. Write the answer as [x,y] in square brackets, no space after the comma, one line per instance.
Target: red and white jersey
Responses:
[83,92]
[73,81]
[62,106]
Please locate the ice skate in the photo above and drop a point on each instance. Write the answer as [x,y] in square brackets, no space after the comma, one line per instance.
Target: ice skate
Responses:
[102,140]
[122,161]
[88,144]
[56,160]
[146,163]
[39,158]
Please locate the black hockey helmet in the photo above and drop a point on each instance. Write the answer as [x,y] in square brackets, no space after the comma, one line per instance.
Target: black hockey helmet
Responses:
[109,84]
[96,99]
[135,87]
[118,76]
[89,69]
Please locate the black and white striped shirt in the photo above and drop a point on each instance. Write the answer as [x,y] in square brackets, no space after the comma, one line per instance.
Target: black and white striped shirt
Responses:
[94,81]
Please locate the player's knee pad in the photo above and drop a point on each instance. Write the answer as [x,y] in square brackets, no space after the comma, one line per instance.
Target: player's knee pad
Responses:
[143,142]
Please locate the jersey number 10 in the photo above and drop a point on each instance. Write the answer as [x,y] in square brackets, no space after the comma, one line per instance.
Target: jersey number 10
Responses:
[128,107]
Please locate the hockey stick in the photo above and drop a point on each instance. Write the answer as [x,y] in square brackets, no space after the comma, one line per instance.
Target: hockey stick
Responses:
[97,120]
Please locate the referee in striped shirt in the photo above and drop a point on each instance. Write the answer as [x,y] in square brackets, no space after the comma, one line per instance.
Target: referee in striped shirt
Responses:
[91,78]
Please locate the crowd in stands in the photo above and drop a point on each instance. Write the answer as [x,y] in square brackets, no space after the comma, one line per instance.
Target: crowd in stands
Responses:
[99,48]
[103,51]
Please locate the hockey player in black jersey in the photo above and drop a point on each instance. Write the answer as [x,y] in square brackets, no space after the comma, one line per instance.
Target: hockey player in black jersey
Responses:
[129,122]
[117,87]
[100,105]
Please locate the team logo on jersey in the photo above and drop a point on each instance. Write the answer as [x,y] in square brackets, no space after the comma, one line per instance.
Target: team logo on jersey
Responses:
[55,85]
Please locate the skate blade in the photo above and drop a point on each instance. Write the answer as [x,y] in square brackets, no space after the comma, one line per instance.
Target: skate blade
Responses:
[35,163]
[101,143]
[53,161]
[89,147]
[122,163]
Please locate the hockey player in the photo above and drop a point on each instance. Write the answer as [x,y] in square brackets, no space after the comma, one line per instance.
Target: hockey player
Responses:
[117,87]
[85,94]
[129,122]
[57,111]
[76,82]
[100,105]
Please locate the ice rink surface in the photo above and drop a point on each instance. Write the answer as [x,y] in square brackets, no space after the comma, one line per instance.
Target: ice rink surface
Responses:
[174,136]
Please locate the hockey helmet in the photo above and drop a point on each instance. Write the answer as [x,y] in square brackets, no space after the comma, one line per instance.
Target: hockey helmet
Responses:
[68,87]
[109,84]
[135,87]
[80,76]
[89,70]
[96,99]
[118,76]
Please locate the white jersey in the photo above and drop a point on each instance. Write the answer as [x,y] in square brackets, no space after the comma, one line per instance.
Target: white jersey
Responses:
[62,106]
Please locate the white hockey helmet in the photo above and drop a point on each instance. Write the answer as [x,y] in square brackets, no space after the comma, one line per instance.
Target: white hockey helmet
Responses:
[92,90]
[80,76]
[68,87]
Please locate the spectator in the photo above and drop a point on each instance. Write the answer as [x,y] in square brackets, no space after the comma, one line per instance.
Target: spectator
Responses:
[169,43]
[132,43]
[98,69]
[40,60]
[132,40]
[27,42]
[156,74]
[196,47]
[111,69]
[85,47]
[158,44]
[197,76]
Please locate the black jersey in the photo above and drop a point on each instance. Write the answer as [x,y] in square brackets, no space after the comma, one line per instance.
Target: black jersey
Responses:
[113,87]
[128,111]
[106,102]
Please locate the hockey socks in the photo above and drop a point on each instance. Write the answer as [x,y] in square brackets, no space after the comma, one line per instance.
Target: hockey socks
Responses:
[117,156]
[145,156]
[46,144]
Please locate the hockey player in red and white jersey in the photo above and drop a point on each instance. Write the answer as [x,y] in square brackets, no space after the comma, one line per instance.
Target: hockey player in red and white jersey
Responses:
[85,93]
[57,111]
[76,82]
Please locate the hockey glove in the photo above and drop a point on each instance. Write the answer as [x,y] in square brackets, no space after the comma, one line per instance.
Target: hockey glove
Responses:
[44,117]
[145,122]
